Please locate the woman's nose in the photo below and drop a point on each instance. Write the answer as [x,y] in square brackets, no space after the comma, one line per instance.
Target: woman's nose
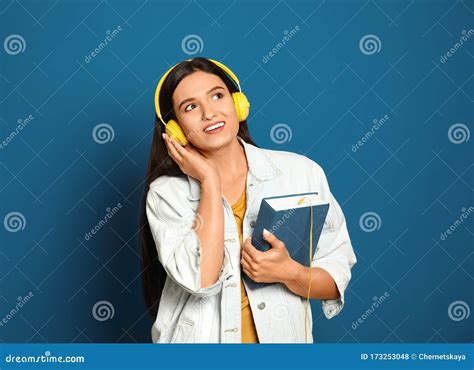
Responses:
[207,112]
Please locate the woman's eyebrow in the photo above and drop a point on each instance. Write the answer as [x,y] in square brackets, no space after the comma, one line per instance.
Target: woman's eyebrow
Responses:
[211,90]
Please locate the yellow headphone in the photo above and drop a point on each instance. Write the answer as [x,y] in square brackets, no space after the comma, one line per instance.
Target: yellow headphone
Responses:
[174,130]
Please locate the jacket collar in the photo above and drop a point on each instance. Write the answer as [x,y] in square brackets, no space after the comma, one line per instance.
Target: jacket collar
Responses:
[261,168]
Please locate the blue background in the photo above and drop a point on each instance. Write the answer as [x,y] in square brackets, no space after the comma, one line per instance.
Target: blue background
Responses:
[320,84]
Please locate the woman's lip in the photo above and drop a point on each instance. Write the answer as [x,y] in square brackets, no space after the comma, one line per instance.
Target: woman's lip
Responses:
[212,124]
[215,131]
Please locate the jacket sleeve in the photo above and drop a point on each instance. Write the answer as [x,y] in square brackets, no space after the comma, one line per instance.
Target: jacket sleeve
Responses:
[178,245]
[334,252]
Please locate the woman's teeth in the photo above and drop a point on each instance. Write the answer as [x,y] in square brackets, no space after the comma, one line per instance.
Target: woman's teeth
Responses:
[213,127]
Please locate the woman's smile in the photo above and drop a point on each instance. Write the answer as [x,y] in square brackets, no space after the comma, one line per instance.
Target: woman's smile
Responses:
[214,128]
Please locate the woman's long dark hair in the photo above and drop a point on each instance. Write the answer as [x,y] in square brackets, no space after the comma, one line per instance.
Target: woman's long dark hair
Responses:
[159,164]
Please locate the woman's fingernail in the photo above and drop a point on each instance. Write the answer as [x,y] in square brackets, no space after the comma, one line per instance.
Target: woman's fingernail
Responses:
[266,233]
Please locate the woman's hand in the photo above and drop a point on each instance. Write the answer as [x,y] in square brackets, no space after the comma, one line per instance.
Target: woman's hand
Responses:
[272,266]
[191,161]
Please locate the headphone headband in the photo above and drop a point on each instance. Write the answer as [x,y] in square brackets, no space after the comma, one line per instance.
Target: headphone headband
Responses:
[163,78]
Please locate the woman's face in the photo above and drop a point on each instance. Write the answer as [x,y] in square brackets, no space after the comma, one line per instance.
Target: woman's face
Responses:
[201,100]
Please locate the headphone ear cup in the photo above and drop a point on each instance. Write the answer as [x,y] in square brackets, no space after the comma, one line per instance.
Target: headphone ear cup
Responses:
[242,105]
[174,130]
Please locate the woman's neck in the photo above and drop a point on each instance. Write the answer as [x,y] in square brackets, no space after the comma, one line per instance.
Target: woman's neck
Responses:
[231,161]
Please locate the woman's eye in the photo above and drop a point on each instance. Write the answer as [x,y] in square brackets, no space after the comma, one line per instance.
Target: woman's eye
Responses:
[189,107]
[219,95]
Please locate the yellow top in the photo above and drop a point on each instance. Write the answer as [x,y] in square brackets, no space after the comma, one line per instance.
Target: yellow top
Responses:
[249,333]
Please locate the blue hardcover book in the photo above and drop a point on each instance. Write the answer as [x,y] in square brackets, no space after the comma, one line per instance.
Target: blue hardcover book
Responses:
[288,217]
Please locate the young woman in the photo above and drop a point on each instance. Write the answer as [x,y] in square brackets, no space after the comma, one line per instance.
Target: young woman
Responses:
[199,208]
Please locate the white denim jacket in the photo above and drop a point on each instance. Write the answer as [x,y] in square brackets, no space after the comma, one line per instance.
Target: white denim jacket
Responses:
[189,313]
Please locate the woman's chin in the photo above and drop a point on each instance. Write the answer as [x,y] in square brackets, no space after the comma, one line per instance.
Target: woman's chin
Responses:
[214,142]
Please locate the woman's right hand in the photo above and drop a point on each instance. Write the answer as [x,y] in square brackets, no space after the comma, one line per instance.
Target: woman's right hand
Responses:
[191,161]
